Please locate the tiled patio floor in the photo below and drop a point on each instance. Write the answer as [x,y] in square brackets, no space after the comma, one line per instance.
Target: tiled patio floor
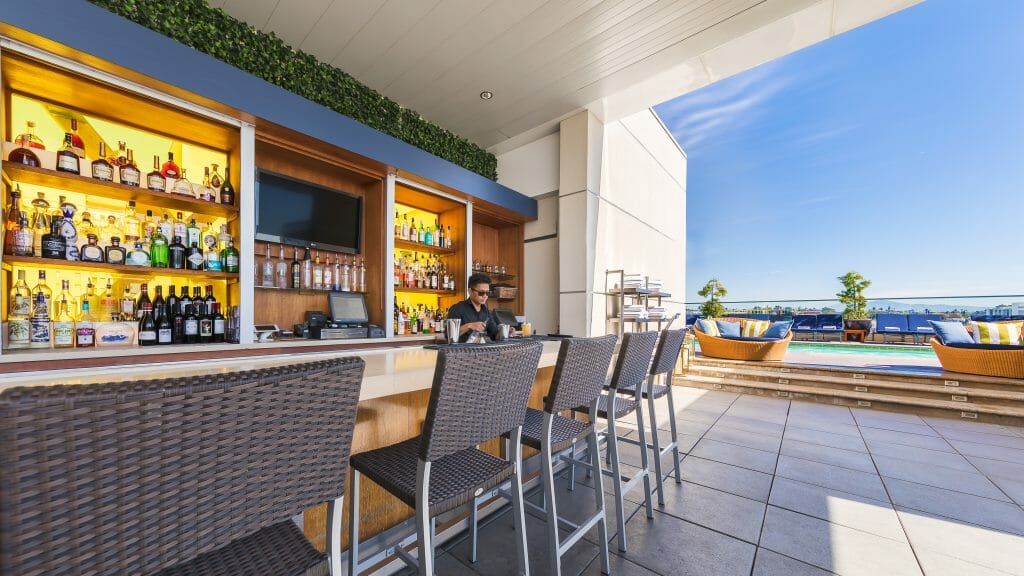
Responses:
[774,487]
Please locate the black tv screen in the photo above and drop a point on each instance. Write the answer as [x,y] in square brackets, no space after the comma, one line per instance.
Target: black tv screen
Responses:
[298,213]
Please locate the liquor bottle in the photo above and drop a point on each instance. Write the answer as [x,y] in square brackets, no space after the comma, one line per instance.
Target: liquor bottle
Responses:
[116,253]
[23,156]
[336,286]
[218,324]
[318,273]
[155,180]
[197,300]
[421,234]
[166,227]
[211,256]
[164,329]
[18,235]
[405,228]
[147,325]
[205,327]
[194,257]
[223,237]
[108,303]
[362,275]
[229,257]
[130,174]
[76,141]
[185,301]
[143,301]
[39,322]
[215,180]
[177,325]
[267,278]
[91,252]
[281,271]
[67,159]
[296,270]
[307,270]
[346,286]
[159,251]
[28,139]
[448,238]
[128,311]
[121,158]
[183,187]
[148,225]
[169,169]
[176,254]
[398,225]
[193,235]
[138,256]
[40,222]
[19,311]
[132,226]
[53,244]
[68,230]
[191,325]
[354,281]
[179,229]
[209,300]
[439,237]
[101,169]
[109,230]
[227,191]
[428,237]
[412,230]
[85,331]
[206,193]
[173,304]
[328,274]
[63,323]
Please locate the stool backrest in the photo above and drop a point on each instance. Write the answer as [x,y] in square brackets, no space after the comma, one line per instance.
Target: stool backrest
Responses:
[669,345]
[479,392]
[133,477]
[633,359]
[580,373]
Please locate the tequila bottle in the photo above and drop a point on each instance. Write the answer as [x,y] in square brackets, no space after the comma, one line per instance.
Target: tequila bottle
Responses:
[281,271]
[267,279]
[68,229]
[109,230]
[183,186]
[19,312]
[115,253]
[39,322]
[86,227]
[91,252]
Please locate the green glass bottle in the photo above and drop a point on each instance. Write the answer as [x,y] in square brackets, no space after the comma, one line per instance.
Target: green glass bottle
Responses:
[229,257]
[159,253]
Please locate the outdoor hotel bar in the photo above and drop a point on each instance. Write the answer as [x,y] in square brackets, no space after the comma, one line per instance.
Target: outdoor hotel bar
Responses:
[261,319]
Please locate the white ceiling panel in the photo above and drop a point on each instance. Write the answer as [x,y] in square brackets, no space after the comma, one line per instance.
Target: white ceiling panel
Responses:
[545,59]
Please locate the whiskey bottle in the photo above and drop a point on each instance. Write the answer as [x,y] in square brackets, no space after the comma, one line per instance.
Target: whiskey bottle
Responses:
[227,191]
[67,159]
[155,180]
[101,169]
[119,159]
[218,324]
[39,322]
[23,155]
[85,331]
[53,244]
[169,169]
[91,252]
[19,313]
[28,139]
[229,257]
[115,253]
[129,172]
[18,236]
[147,325]
[183,187]
[176,254]
[194,257]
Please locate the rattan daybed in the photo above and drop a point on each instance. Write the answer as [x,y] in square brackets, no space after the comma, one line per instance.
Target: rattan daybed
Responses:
[715,347]
[985,362]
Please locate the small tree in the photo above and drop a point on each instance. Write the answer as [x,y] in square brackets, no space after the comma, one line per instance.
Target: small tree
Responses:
[712,308]
[852,295]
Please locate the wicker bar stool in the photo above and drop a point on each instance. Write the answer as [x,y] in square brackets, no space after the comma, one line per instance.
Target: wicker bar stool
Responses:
[186,476]
[629,375]
[665,356]
[479,393]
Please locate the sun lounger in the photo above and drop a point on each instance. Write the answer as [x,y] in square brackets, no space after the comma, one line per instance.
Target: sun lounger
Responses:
[758,349]
[829,324]
[892,325]
[805,323]
[917,325]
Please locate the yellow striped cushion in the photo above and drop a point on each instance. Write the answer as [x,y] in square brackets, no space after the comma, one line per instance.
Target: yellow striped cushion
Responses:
[708,327]
[755,328]
[996,332]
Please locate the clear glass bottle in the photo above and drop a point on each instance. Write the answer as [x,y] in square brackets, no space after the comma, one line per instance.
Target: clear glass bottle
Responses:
[267,277]
[307,270]
[18,235]
[85,330]
[215,179]
[183,186]
[28,139]
[109,230]
[39,322]
[115,253]
[180,228]
[128,310]
[19,311]
[346,277]
[166,227]
[129,173]
[108,303]
[337,274]
[40,222]
[206,193]
[281,271]
[193,235]
[132,226]
[211,255]
[155,180]
[63,322]
[328,273]
[101,169]
[138,256]
[318,273]
[67,159]
[223,237]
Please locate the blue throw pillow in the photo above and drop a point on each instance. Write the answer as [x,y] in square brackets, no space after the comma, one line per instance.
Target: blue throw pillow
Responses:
[708,327]
[728,328]
[778,329]
[951,332]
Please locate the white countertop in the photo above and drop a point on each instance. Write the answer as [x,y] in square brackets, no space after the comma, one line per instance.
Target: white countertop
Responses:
[389,371]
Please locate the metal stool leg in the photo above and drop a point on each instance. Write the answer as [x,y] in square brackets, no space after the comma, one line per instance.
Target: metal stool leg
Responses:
[334,535]
[424,544]
[572,460]
[672,427]
[644,462]
[522,561]
[474,517]
[353,525]
[548,478]
[655,441]
[602,526]
[613,452]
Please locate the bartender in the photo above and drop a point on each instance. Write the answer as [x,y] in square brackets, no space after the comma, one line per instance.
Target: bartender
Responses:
[473,312]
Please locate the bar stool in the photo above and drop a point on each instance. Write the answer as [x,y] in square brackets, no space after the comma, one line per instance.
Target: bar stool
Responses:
[669,345]
[579,376]
[479,393]
[629,375]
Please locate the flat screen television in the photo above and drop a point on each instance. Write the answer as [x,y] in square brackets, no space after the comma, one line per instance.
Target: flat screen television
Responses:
[298,213]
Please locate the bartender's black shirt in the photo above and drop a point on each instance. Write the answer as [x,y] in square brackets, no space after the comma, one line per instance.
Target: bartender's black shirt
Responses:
[465,312]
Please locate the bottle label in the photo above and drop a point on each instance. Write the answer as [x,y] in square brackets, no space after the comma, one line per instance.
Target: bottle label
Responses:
[205,328]
[194,237]
[138,258]
[18,333]
[191,327]
[86,337]
[21,306]
[63,334]
[41,308]
[156,182]
[23,242]
[231,261]
[196,259]
[40,331]
[67,163]
[130,177]
[115,257]
[102,172]
[213,262]
[92,253]
[54,247]
[218,326]
[147,335]
[128,307]
[165,229]
[163,336]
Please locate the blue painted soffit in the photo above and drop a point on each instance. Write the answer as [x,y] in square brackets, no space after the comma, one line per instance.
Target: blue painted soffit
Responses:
[93,30]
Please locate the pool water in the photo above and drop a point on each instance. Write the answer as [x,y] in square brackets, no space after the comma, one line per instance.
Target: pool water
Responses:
[863,349]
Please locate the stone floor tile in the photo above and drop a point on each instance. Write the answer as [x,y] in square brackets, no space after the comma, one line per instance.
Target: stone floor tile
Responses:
[993,468]
[842,479]
[812,410]
[734,515]
[768,563]
[751,425]
[836,548]
[1012,487]
[668,545]
[1005,516]
[863,414]
[756,440]
[698,416]
[824,425]
[825,438]
[769,416]
[447,564]
[690,428]
[850,510]
[973,544]
[905,438]
[985,438]
[938,476]
[924,455]
[936,564]
[945,424]
[899,426]
[577,505]
[828,455]
[988,451]
[732,479]
[736,455]
[619,566]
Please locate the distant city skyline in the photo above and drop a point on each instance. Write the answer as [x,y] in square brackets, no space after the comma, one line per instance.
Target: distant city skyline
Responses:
[894,150]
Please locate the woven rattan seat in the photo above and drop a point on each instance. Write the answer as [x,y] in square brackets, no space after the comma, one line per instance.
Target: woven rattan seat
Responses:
[622,406]
[453,479]
[564,431]
[281,549]
[659,390]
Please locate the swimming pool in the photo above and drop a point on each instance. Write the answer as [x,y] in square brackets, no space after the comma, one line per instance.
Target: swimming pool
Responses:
[863,349]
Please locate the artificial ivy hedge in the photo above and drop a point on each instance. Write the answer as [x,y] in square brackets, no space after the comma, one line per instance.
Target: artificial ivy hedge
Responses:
[211,30]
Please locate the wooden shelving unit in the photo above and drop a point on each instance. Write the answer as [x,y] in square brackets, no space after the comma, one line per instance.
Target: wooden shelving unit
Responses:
[425,291]
[417,247]
[305,291]
[498,240]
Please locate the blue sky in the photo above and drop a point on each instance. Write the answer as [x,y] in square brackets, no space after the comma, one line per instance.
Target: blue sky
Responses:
[895,149]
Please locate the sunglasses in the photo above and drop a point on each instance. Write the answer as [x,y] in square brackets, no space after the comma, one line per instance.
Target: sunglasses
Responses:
[481,293]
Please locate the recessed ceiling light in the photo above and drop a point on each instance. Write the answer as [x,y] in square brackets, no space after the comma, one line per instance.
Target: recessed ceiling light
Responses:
[486,95]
